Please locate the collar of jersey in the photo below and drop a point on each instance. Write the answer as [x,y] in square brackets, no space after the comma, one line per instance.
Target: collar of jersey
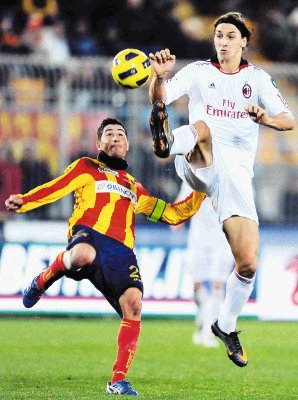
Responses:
[112,162]
[215,63]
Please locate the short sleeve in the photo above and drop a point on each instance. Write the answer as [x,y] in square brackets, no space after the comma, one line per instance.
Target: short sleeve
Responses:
[179,85]
[270,96]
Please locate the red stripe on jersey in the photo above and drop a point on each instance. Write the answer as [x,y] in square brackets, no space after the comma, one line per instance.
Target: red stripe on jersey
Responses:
[90,216]
[140,189]
[117,228]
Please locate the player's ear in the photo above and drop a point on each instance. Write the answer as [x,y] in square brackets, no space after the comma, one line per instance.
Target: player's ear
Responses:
[244,43]
[127,145]
[97,144]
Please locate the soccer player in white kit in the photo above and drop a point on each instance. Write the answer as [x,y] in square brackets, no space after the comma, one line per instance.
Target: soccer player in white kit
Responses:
[228,99]
[209,260]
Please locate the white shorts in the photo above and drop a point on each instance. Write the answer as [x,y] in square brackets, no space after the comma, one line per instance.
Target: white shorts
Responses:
[228,181]
[208,255]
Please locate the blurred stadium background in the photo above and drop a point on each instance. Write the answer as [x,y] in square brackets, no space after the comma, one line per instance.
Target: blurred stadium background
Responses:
[56,86]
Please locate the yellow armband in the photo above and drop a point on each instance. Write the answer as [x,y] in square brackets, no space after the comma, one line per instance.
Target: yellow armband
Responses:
[157,211]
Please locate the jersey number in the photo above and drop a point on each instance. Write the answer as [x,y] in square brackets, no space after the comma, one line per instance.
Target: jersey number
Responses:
[135,275]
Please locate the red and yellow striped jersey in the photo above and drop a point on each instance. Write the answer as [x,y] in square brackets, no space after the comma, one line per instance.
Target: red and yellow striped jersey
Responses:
[107,200]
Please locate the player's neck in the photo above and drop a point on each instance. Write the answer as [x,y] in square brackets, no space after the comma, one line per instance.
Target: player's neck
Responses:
[112,162]
[229,66]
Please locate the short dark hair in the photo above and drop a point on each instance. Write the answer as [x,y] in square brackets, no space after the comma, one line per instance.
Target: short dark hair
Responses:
[109,121]
[235,18]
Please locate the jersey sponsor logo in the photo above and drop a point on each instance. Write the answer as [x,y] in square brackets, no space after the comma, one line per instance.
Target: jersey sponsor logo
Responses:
[246,91]
[225,113]
[108,171]
[112,187]
[212,85]
[228,110]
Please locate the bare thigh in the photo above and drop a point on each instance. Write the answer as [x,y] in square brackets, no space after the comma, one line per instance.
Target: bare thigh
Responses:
[243,236]
[82,254]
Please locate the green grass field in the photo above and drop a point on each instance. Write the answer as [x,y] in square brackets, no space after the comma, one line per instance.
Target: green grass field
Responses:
[56,358]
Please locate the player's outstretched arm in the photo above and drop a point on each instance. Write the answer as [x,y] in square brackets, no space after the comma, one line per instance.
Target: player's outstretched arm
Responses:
[74,176]
[177,213]
[14,202]
[162,63]
[172,214]
[283,121]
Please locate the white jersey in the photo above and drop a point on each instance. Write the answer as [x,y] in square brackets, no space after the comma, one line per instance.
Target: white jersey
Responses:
[219,99]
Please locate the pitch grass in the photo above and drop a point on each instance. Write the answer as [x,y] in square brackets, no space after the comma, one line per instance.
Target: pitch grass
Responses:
[56,358]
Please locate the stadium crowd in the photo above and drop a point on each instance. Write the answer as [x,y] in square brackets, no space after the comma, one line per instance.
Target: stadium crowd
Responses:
[102,28]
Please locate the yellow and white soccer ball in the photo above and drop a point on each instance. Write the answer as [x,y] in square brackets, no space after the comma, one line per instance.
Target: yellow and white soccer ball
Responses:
[131,68]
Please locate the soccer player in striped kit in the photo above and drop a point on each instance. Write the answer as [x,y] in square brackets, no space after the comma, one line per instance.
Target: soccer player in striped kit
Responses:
[228,99]
[101,235]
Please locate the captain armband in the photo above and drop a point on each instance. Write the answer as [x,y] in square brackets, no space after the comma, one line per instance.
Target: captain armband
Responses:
[157,211]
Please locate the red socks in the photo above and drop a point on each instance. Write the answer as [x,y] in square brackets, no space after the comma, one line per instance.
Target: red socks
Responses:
[51,274]
[127,344]
[129,330]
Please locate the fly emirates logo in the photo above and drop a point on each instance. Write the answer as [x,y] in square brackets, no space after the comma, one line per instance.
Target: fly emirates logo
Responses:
[111,187]
[227,110]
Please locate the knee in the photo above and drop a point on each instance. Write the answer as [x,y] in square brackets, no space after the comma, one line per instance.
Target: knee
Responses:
[204,134]
[247,267]
[131,305]
[135,306]
[80,259]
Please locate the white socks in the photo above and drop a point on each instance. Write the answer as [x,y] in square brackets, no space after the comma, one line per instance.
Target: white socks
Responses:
[185,139]
[238,290]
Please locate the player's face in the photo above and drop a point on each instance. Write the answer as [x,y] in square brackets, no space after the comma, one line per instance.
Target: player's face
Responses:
[113,141]
[228,42]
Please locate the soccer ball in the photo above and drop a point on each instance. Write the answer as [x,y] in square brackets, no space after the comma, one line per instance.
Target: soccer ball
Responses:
[131,68]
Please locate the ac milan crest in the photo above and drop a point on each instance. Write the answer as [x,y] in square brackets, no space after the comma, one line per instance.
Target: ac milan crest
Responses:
[246,91]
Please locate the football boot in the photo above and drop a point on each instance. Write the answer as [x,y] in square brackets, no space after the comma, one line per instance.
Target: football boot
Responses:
[234,349]
[32,294]
[160,129]
[121,388]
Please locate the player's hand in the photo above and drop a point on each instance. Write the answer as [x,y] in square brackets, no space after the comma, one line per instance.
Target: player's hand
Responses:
[257,114]
[162,62]
[13,202]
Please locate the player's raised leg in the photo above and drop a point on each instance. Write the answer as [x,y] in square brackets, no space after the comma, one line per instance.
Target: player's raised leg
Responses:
[77,257]
[44,280]
[182,140]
